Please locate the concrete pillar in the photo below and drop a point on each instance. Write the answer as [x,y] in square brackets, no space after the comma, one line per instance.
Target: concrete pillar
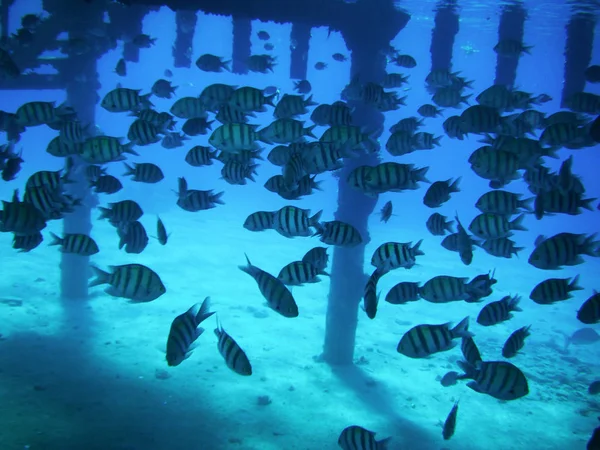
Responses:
[578,53]
[442,36]
[512,23]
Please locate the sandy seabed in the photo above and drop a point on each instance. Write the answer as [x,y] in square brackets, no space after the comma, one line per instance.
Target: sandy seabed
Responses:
[91,374]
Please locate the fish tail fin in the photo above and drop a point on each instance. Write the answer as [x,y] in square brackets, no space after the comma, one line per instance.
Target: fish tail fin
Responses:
[462,329]
[454,186]
[128,170]
[517,224]
[526,204]
[56,240]
[204,312]
[573,286]
[102,277]
[468,369]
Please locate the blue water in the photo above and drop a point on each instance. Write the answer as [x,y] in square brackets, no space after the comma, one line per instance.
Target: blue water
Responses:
[91,374]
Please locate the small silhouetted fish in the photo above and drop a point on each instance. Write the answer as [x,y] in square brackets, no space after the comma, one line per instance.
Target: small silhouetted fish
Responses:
[583,336]
[161,232]
[320,66]
[449,379]
[263,35]
[592,74]
[121,68]
[302,86]
[270,90]
[168,73]
[594,388]
[269,46]
[386,212]
[450,423]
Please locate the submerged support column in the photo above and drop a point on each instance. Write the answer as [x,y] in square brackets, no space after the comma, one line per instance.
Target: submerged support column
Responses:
[512,24]
[4,8]
[348,278]
[578,53]
[300,38]
[183,50]
[442,36]
[242,32]
[81,78]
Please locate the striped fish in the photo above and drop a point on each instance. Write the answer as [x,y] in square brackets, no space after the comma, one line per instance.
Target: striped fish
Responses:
[144,172]
[194,200]
[106,184]
[493,226]
[259,221]
[515,342]
[200,156]
[234,172]
[184,331]
[291,221]
[438,224]
[133,237]
[556,201]
[188,108]
[135,282]
[142,132]
[27,242]
[470,351]
[499,311]
[425,340]
[371,296]
[338,233]
[439,192]
[392,255]
[123,99]
[78,244]
[563,249]
[21,218]
[273,290]
[355,437]
[248,99]
[104,149]
[499,379]
[216,95]
[503,203]
[501,247]
[123,211]
[232,353]
[318,257]
[297,273]
[235,137]
[554,290]
[445,288]
[403,293]
[589,313]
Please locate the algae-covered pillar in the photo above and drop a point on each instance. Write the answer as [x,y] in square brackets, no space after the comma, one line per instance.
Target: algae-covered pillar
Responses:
[578,53]
[442,36]
[185,22]
[367,32]
[512,24]
[80,76]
